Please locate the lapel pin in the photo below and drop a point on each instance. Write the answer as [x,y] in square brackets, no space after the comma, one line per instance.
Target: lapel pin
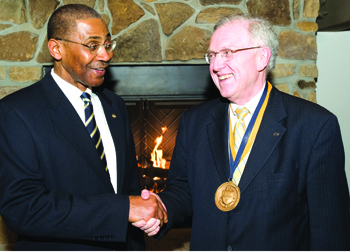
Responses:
[114,116]
[276,134]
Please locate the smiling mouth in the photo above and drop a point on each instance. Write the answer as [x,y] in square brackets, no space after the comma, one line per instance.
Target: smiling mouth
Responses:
[224,77]
[100,72]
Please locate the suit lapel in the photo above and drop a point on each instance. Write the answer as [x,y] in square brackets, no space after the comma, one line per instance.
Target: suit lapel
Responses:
[217,136]
[270,132]
[66,119]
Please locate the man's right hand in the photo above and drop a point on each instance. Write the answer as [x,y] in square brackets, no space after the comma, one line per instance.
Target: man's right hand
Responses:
[152,226]
[145,209]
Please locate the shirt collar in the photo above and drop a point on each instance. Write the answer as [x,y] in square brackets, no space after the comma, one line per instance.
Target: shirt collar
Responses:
[250,105]
[73,93]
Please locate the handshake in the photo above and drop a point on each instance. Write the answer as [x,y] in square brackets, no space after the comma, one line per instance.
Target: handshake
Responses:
[147,212]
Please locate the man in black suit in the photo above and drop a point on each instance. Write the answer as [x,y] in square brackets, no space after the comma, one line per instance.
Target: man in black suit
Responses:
[64,185]
[279,184]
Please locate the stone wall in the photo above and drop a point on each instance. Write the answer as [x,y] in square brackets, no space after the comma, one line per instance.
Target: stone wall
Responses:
[161,32]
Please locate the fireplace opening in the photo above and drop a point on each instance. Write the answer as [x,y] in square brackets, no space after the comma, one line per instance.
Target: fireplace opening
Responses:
[154,125]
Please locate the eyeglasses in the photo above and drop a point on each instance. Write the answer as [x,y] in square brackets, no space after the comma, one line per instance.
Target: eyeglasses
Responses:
[95,48]
[225,54]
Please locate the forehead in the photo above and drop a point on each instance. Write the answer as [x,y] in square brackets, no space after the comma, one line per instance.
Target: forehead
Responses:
[91,28]
[231,35]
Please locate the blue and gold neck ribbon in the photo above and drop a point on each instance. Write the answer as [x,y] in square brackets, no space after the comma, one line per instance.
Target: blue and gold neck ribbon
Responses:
[250,132]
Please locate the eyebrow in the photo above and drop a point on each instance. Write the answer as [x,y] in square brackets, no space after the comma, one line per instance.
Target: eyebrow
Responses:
[219,50]
[98,37]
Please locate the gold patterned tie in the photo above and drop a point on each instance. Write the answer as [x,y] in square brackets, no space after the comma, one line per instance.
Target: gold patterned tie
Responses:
[238,134]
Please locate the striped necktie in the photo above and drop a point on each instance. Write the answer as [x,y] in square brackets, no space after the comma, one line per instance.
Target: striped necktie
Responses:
[91,126]
[238,134]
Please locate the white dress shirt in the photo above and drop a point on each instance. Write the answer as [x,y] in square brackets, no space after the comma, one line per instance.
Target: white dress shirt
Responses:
[73,94]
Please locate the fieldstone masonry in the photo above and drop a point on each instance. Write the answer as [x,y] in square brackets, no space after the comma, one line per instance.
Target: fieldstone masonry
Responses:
[40,11]
[158,31]
[13,11]
[124,13]
[173,15]
[276,11]
[294,45]
[18,46]
[187,44]
[212,15]
[140,44]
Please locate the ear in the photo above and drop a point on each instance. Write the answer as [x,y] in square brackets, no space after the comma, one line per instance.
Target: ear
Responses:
[55,49]
[263,58]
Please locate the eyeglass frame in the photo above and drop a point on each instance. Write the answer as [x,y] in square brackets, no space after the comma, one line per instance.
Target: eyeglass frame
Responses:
[207,59]
[113,43]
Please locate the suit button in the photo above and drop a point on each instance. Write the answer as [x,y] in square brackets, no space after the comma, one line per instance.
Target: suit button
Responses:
[229,248]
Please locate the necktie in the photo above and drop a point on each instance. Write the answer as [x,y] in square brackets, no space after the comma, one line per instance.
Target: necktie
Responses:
[238,134]
[91,126]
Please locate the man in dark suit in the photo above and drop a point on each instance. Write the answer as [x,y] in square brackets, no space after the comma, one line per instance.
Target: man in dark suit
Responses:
[64,185]
[279,185]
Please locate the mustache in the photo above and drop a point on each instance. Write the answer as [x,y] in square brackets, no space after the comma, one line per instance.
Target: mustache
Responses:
[100,64]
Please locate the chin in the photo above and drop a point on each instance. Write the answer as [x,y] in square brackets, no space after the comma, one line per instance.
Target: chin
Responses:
[225,94]
[96,83]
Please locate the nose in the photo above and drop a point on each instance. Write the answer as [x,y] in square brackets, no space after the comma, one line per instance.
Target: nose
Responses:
[217,64]
[103,55]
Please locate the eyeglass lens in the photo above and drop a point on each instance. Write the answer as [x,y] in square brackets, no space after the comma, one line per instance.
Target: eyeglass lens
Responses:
[95,49]
[225,55]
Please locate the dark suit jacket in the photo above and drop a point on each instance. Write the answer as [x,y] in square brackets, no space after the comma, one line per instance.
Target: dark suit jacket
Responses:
[54,191]
[294,193]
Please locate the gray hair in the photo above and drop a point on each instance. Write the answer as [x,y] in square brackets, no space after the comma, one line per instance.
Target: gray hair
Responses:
[261,31]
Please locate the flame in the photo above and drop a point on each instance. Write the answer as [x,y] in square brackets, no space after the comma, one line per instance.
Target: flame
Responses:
[164,129]
[154,188]
[157,155]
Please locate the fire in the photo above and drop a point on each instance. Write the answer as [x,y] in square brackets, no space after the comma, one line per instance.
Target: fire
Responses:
[155,188]
[157,155]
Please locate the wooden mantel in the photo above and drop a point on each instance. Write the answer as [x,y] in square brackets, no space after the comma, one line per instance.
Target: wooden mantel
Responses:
[334,15]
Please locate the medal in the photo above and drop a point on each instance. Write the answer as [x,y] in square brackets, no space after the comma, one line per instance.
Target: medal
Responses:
[227,196]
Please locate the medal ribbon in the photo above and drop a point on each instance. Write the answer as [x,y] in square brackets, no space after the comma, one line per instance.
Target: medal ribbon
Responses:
[250,132]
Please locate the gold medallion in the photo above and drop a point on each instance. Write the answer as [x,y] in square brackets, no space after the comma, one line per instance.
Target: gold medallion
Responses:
[227,196]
